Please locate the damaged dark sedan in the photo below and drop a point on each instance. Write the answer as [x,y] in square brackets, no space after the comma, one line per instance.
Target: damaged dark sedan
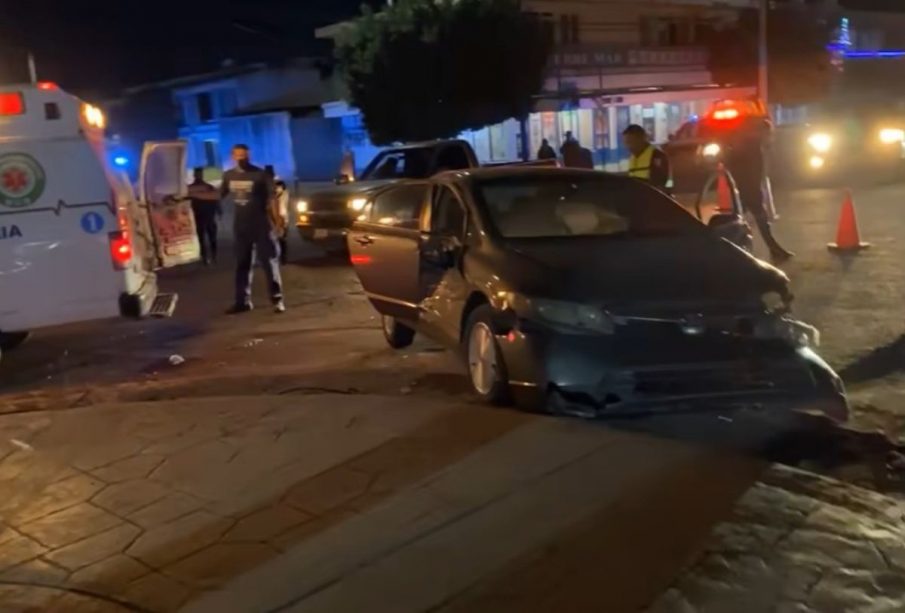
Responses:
[586,294]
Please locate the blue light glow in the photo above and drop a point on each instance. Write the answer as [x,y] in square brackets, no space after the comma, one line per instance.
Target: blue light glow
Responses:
[121,161]
[882,53]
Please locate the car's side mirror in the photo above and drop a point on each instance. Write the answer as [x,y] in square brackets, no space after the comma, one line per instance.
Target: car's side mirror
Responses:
[342,179]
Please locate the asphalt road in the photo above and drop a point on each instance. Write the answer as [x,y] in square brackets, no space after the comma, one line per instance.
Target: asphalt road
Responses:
[330,338]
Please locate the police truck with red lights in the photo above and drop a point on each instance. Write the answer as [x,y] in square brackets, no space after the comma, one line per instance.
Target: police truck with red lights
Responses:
[76,244]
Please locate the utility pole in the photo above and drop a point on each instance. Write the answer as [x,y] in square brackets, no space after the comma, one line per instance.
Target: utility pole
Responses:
[763,57]
[32,69]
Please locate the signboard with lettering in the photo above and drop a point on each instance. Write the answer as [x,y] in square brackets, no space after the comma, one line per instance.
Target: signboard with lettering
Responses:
[639,58]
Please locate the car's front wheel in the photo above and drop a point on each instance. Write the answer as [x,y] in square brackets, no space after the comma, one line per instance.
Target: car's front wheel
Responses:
[486,370]
[399,336]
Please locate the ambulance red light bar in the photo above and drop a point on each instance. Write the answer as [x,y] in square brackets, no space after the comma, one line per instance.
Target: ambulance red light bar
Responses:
[47,86]
[726,114]
[11,103]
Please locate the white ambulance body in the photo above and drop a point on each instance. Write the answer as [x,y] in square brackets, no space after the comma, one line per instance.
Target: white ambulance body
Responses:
[75,244]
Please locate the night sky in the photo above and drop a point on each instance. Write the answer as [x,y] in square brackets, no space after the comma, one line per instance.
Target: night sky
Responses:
[97,47]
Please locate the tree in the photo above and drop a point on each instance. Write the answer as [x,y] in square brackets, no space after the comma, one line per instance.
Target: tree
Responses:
[425,69]
[801,69]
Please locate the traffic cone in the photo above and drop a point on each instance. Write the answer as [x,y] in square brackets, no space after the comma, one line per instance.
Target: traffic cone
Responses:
[847,236]
[723,191]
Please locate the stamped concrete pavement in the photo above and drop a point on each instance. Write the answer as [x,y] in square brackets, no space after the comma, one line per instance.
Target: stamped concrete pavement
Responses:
[345,503]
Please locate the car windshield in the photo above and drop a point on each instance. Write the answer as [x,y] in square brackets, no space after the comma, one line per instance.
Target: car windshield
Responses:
[547,206]
[399,164]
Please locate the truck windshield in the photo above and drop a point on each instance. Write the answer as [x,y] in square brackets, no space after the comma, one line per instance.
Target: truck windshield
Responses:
[562,205]
[399,164]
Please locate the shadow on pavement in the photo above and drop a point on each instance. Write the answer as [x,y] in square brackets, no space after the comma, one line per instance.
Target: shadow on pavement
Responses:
[877,364]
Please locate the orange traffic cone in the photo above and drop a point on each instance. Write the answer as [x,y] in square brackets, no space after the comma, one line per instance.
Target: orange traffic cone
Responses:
[847,236]
[723,191]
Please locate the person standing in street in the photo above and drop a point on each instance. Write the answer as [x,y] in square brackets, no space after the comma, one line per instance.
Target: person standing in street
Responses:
[250,191]
[746,162]
[546,152]
[282,208]
[206,207]
[647,162]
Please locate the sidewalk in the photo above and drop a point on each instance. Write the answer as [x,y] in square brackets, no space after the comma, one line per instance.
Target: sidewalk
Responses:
[346,503]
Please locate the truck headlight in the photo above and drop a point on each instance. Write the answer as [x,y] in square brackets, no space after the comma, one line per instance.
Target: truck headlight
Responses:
[357,204]
[574,316]
[890,136]
[301,206]
[820,142]
[711,150]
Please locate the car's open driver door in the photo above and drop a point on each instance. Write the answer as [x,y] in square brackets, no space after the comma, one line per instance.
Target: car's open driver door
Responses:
[163,195]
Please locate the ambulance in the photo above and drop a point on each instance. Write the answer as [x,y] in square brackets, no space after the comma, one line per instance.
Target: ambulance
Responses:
[76,244]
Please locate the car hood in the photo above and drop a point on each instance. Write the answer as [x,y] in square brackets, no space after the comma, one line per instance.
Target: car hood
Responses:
[349,190]
[622,271]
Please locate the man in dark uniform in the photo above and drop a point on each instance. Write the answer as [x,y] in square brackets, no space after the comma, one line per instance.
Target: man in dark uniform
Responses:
[745,160]
[251,192]
[206,207]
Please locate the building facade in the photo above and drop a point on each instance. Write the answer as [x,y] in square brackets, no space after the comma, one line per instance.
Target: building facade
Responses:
[276,110]
[615,62]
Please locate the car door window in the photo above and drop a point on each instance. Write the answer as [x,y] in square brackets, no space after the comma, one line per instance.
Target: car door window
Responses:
[447,214]
[399,207]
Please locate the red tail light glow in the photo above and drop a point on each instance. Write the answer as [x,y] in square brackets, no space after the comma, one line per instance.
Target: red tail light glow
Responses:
[11,103]
[47,85]
[360,260]
[120,249]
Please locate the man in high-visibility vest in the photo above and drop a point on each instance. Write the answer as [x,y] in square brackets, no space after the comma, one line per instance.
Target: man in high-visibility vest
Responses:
[647,162]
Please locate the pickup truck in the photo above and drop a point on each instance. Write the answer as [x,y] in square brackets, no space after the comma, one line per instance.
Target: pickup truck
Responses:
[325,217]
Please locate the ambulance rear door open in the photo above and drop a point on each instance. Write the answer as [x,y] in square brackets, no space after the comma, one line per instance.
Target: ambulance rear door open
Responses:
[168,222]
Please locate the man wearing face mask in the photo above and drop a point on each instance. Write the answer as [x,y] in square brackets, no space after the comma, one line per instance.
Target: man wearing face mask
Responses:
[250,190]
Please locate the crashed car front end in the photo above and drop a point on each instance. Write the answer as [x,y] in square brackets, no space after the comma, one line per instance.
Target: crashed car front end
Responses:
[593,361]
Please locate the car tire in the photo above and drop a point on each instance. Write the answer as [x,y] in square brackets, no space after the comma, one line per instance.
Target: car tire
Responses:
[486,370]
[399,336]
[11,340]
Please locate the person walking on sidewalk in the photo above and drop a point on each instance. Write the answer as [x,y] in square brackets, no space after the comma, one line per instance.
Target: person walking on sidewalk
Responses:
[206,207]
[545,151]
[251,192]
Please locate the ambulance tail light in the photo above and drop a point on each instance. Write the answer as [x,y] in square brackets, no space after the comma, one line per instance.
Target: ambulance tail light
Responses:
[120,249]
[11,103]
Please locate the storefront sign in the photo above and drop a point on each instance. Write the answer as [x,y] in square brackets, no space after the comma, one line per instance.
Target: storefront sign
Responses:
[612,58]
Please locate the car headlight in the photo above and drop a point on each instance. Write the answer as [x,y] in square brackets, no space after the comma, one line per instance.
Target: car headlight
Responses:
[301,206]
[889,136]
[796,333]
[573,316]
[711,150]
[820,142]
[774,302]
[357,204]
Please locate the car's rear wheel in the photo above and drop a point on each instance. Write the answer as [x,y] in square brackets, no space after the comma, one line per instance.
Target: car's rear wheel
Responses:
[486,370]
[399,336]
[11,340]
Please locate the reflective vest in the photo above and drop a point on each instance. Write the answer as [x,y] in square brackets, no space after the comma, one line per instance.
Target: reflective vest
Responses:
[639,166]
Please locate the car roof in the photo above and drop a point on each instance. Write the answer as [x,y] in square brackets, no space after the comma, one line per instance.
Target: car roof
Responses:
[502,172]
[425,144]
